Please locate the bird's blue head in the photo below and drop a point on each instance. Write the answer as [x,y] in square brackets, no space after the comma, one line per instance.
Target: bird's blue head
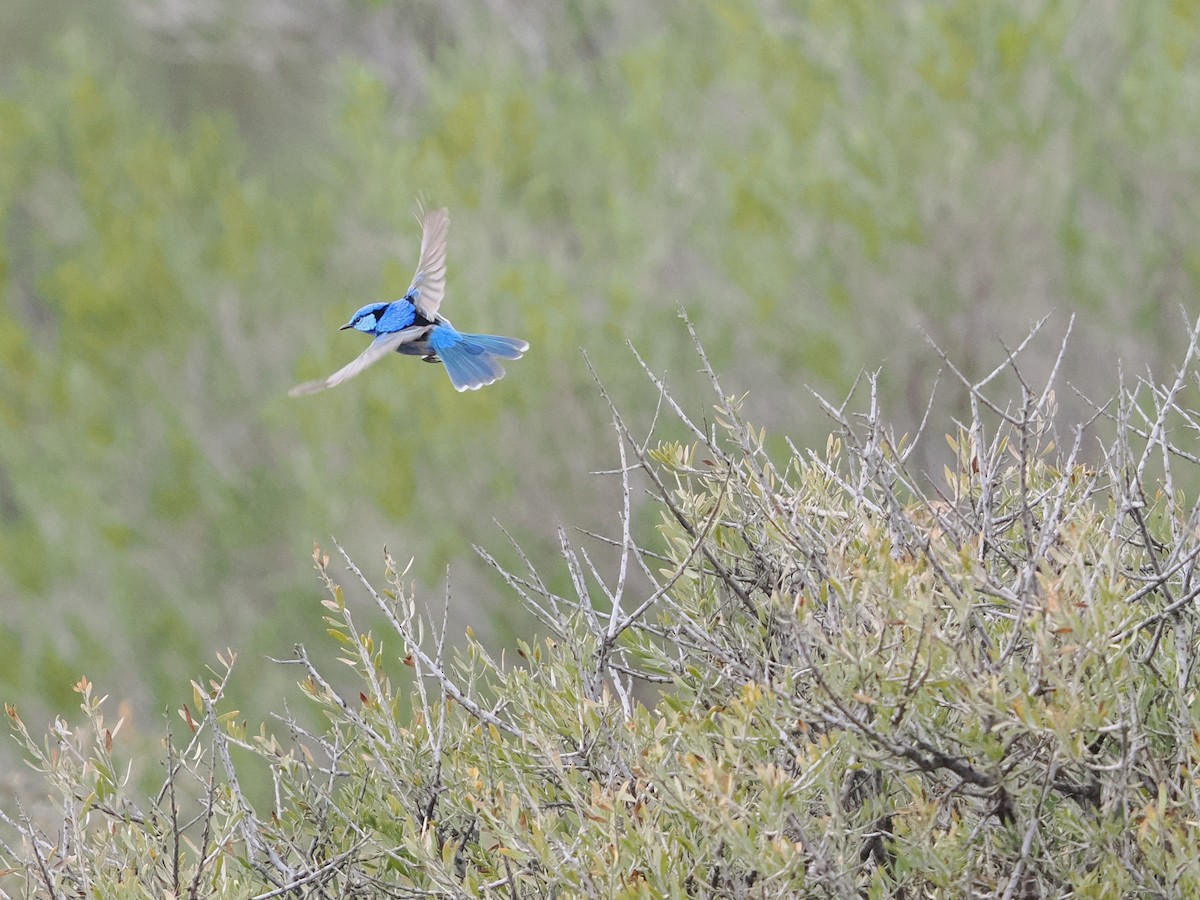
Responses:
[367,318]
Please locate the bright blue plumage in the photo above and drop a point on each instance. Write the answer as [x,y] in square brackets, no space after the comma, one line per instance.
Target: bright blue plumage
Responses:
[470,359]
[397,316]
[413,326]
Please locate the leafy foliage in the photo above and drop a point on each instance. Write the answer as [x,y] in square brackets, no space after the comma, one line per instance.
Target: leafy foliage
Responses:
[827,675]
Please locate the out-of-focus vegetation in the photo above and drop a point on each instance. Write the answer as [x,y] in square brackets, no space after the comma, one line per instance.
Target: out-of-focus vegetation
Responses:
[193,195]
[826,676]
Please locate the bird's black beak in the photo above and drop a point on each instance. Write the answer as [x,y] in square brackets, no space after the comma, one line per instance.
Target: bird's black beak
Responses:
[347,325]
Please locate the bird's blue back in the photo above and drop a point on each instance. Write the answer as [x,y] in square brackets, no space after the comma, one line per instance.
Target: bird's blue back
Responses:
[384,318]
[398,316]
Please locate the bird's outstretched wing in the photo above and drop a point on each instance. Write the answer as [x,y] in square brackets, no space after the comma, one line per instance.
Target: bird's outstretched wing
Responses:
[377,350]
[429,284]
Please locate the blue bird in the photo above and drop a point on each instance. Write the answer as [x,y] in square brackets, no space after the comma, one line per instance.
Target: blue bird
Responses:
[413,326]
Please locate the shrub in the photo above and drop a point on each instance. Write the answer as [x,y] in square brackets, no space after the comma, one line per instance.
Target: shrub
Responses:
[830,675]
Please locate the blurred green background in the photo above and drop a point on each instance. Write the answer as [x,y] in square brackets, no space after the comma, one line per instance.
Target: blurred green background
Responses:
[195,194]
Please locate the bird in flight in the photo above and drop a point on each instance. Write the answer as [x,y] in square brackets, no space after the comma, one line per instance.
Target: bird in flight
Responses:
[413,326]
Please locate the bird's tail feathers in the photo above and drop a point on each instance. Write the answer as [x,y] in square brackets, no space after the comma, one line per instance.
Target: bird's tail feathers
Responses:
[469,366]
[472,360]
[504,347]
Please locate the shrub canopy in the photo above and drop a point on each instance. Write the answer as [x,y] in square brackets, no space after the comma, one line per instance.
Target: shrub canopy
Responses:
[829,675]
